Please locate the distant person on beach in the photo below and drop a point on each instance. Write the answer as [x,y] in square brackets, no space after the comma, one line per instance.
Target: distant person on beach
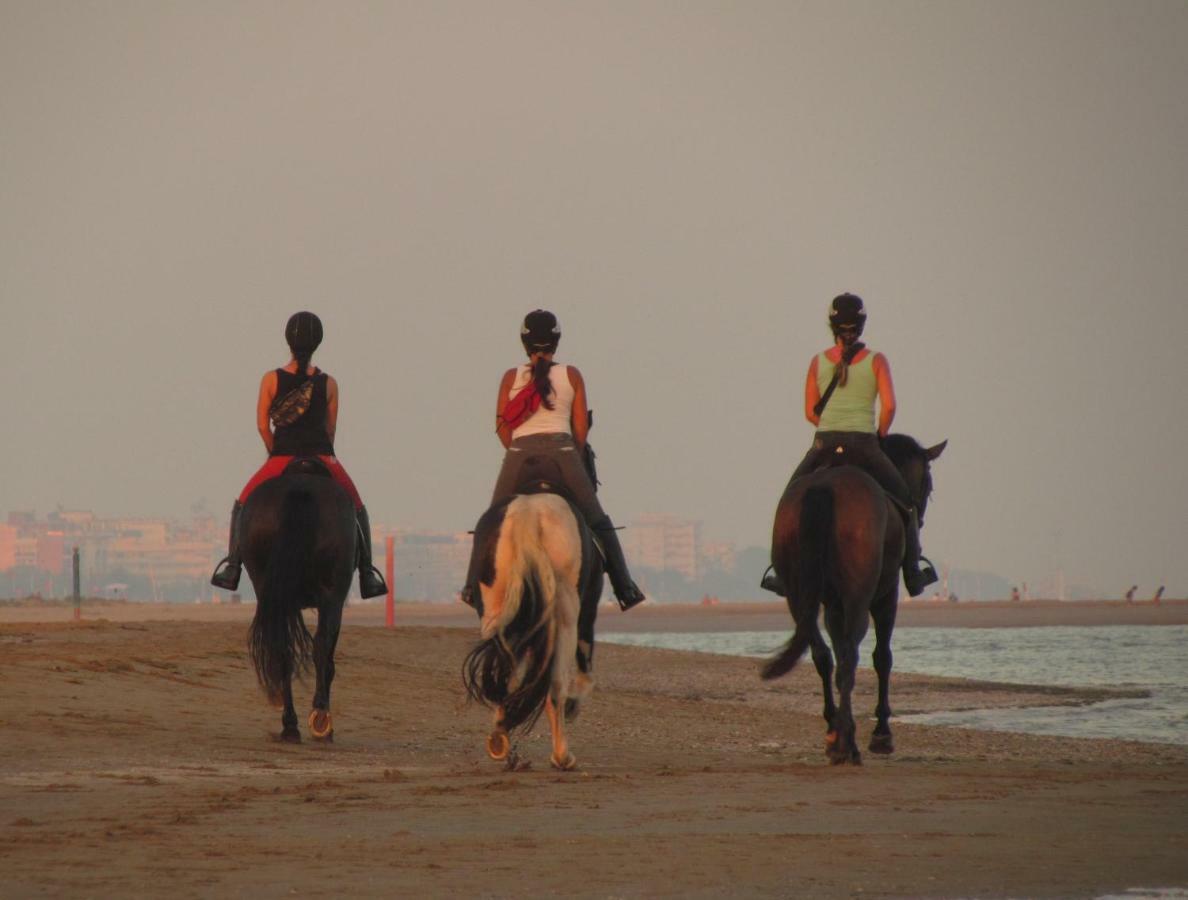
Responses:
[297,415]
[541,411]
[1130,593]
[1158,595]
[840,392]
[1014,595]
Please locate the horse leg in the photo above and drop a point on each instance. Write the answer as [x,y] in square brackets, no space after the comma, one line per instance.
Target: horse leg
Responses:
[884,622]
[498,743]
[321,724]
[844,747]
[840,746]
[561,759]
[823,660]
[289,733]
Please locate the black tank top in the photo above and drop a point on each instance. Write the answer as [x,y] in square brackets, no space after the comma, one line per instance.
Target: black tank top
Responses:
[307,436]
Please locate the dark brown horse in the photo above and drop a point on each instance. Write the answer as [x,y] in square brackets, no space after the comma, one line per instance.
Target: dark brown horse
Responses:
[838,545]
[299,550]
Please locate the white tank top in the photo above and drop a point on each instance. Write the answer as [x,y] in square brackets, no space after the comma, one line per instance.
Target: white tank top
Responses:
[545,420]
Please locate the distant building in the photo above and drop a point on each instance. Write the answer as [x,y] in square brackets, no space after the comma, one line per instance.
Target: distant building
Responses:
[665,543]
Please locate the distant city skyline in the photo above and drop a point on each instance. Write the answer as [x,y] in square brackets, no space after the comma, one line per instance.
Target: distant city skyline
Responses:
[171,558]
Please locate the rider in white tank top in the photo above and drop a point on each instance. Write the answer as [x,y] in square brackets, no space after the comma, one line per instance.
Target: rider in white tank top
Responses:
[545,420]
[557,435]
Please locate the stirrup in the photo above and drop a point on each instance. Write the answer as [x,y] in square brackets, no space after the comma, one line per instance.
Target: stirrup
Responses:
[916,581]
[630,596]
[771,582]
[371,582]
[227,578]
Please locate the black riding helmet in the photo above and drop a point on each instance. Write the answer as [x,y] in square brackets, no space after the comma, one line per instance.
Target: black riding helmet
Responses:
[303,332]
[540,332]
[847,314]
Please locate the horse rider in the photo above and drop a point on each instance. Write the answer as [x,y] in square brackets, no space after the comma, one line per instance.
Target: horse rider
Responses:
[297,415]
[541,412]
[839,398]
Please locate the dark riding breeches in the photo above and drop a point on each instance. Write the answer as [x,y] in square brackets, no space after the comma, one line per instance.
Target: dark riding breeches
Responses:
[561,449]
[855,448]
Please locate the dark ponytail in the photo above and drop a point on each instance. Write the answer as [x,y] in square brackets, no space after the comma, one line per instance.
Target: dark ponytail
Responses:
[302,358]
[540,377]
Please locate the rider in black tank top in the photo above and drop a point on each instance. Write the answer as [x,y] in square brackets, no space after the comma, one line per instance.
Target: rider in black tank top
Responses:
[307,436]
[305,400]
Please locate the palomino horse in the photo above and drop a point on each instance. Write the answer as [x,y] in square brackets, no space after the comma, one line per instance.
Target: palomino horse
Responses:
[539,592]
[838,543]
[298,545]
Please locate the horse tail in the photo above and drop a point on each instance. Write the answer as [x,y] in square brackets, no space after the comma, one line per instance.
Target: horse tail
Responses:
[816,526]
[512,667]
[278,640]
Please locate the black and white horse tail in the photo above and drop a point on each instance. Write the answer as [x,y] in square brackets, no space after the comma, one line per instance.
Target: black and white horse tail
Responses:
[512,667]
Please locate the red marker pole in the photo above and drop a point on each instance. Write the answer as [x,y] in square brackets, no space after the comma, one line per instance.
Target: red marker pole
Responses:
[77,590]
[390,576]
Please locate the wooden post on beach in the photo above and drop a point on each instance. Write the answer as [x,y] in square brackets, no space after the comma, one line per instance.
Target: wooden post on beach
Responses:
[390,575]
[77,591]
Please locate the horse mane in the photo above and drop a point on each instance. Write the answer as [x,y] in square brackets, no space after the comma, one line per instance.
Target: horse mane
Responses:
[900,448]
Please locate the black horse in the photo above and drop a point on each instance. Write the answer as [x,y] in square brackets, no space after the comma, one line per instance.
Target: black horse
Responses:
[299,548]
[838,543]
[540,584]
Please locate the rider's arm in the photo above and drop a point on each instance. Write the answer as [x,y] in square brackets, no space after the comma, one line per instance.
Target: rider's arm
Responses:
[331,406]
[579,419]
[812,393]
[882,371]
[502,429]
[263,404]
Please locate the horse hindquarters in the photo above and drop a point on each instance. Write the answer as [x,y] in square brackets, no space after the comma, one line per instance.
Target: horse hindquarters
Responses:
[812,537]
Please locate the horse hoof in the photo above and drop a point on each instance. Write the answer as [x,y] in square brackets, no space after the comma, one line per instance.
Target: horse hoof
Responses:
[498,745]
[289,736]
[564,765]
[881,744]
[321,725]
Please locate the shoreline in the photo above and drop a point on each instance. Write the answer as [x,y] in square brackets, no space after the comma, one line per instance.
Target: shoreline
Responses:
[650,617]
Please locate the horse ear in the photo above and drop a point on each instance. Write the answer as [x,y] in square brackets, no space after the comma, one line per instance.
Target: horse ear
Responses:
[934,452]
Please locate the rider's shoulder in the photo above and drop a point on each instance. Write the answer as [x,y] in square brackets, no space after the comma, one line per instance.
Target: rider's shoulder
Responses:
[573,373]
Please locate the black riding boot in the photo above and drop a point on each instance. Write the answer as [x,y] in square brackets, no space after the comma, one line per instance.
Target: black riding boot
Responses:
[915,576]
[626,591]
[371,582]
[227,572]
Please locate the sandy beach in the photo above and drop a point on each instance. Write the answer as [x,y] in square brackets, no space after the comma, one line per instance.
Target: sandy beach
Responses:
[137,760]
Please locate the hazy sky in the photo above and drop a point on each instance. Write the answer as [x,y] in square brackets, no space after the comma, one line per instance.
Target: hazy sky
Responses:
[685,184]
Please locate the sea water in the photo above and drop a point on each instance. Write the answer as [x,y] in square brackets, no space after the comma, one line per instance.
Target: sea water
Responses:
[1153,658]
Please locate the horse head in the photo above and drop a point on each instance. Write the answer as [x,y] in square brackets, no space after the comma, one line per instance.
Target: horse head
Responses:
[915,464]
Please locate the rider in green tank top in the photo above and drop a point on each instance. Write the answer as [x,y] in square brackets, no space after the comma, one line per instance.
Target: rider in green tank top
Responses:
[848,424]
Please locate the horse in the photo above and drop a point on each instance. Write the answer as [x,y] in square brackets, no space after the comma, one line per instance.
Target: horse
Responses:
[538,600]
[299,548]
[838,543]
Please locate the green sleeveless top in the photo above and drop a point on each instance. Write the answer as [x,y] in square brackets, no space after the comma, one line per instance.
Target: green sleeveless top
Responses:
[851,408]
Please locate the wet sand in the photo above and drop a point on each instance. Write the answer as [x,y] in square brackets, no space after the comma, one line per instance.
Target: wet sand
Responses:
[137,760]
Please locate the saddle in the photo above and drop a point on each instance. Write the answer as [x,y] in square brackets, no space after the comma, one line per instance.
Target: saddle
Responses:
[838,457]
[542,475]
[307,465]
